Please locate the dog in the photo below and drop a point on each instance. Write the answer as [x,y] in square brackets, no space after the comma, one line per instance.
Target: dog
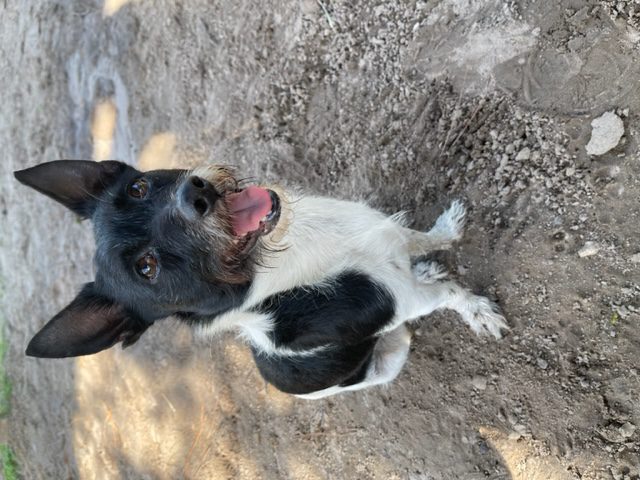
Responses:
[321,289]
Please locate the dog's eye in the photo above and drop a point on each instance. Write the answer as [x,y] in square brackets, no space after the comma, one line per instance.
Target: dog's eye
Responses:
[138,189]
[147,266]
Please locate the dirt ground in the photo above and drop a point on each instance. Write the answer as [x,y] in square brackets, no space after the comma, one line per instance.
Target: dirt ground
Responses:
[405,104]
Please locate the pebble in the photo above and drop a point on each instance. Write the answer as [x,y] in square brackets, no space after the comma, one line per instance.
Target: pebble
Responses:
[635,258]
[542,363]
[606,132]
[589,249]
[524,154]
[513,436]
[615,474]
[519,431]
[627,429]
[479,382]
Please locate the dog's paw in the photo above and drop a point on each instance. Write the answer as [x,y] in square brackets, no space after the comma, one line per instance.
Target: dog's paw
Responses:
[484,317]
[450,225]
[428,272]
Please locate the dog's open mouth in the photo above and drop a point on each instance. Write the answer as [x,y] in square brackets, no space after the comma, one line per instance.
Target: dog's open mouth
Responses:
[254,211]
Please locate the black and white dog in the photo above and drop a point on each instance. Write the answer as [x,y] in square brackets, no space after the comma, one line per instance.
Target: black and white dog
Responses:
[319,288]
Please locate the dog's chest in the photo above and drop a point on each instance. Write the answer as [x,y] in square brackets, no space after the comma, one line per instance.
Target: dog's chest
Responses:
[327,238]
[328,282]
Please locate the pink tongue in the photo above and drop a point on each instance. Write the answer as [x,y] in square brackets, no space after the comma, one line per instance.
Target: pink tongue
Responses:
[247,208]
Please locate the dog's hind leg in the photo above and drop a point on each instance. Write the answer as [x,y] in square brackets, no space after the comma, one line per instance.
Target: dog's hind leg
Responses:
[480,313]
[428,271]
[389,355]
[447,229]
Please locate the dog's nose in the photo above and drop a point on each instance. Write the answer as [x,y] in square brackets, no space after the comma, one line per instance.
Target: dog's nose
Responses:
[197,197]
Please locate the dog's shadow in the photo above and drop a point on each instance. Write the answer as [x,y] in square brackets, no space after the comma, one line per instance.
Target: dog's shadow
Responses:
[175,407]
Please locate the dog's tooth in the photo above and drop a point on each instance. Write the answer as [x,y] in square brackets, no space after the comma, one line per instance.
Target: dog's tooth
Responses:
[268,216]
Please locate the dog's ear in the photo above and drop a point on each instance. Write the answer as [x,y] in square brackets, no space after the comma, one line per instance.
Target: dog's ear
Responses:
[77,184]
[89,324]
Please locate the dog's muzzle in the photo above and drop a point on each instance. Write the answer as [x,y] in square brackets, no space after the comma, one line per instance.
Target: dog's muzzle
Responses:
[196,197]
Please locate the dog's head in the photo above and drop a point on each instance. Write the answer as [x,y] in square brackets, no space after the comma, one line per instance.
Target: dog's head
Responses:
[168,242]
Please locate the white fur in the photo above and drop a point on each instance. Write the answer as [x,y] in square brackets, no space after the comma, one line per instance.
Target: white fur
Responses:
[447,229]
[429,272]
[325,237]
[450,225]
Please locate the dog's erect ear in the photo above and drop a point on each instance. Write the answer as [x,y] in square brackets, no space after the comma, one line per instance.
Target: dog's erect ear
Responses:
[89,324]
[77,184]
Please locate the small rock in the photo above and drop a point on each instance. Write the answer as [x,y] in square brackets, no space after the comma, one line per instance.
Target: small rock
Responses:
[627,429]
[615,474]
[542,363]
[524,154]
[589,249]
[309,7]
[607,130]
[479,382]
[635,258]
[621,310]
[520,429]
[514,436]
[620,434]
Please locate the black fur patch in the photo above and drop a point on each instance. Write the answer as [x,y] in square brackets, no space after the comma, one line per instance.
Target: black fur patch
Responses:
[335,365]
[190,283]
[344,311]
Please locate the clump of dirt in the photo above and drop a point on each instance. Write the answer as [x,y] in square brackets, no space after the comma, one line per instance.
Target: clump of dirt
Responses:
[627,10]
